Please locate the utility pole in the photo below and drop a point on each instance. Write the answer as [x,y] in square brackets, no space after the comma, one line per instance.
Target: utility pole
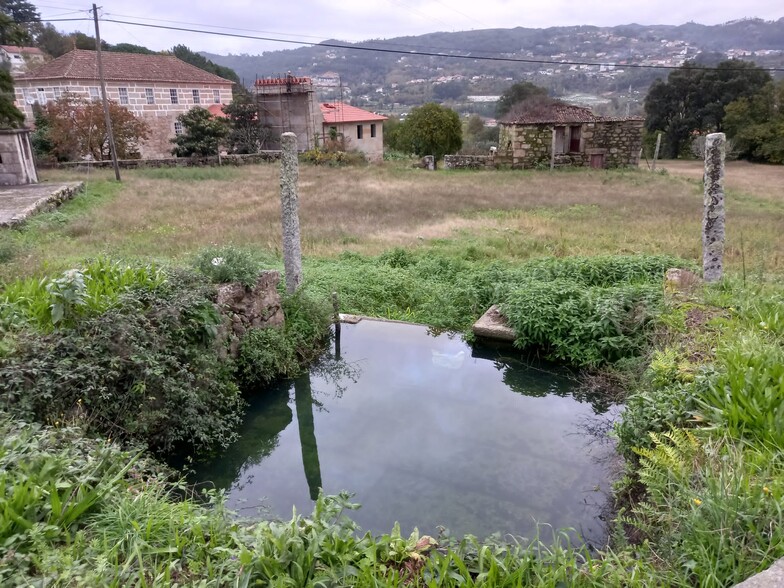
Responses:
[103,95]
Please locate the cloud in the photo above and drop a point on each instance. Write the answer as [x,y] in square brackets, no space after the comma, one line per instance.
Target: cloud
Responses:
[356,20]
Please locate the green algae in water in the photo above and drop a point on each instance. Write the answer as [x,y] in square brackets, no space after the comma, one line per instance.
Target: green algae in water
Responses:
[426,432]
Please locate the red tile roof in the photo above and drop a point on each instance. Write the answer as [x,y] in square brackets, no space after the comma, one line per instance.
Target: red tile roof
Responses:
[81,64]
[338,112]
[28,50]
[558,113]
[216,110]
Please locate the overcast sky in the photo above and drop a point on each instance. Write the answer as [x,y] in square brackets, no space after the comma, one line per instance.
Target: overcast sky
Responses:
[357,20]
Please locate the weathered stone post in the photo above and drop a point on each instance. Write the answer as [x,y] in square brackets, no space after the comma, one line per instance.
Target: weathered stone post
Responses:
[429,162]
[289,211]
[713,208]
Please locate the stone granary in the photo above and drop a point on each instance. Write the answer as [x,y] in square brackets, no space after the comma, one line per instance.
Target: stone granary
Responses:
[156,88]
[579,138]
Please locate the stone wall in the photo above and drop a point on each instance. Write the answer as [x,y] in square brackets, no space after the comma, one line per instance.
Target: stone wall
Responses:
[246,308]
[209,161]
[617,141]
[469,161]
[158,103]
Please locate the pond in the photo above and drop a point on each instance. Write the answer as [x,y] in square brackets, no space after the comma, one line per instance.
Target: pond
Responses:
[425,431]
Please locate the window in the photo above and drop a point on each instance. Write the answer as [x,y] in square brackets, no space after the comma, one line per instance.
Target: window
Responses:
[57,93]
[574,139]
[359,131]
[216,96]
[178,128]
[150,95]
[123,95]
[94,95]
[173,96]
[373,130]
[196,97]
[41,96]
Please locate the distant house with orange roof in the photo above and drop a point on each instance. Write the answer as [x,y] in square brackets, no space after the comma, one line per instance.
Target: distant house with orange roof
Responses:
[361,129]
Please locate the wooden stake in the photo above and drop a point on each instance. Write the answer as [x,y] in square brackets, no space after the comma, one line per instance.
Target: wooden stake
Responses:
[552,152]
[103,95]
[656,151]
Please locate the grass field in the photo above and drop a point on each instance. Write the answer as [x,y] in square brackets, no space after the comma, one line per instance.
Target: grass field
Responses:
[169,213]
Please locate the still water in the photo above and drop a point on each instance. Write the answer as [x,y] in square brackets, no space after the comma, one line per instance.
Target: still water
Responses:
[428,432]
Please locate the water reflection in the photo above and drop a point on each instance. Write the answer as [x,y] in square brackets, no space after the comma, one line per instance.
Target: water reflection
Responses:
[426,432]
[303,394]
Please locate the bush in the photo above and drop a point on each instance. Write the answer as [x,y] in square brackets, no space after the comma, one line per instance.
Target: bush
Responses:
[226,264]
[268,354]
[146,370]
[583,325]
[89,290]
[333,158]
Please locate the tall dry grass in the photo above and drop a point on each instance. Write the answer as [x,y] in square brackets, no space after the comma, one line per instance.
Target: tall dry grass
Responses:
[168,214]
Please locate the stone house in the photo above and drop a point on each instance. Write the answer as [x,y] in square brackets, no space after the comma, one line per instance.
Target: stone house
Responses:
[360,129]
[157,88]
[574,135]
[287,104]
[21,59]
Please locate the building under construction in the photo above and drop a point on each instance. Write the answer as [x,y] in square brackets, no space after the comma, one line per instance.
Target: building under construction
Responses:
[289,104]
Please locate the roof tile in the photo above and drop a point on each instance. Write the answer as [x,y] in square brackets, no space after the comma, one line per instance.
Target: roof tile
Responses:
[81,64]
[338,112]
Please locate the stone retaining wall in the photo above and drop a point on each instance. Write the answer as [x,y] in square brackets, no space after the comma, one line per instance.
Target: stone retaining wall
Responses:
[469,161]
[207,161]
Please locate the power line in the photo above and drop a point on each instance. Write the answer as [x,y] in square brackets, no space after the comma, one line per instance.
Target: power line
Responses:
[419,53]
[414,52]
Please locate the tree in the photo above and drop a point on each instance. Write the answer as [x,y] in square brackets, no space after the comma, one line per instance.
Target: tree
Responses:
[188,56]
[756,124]
[693,99]
[246,135]
[202,134]
[52,41]
[130,48]
[77,128]
[19,21]
[10,116]
[431,130]
[517,93]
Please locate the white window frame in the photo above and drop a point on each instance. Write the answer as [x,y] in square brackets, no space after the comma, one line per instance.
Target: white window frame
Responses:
[216,98]
[196,96]
[178,128]
[41,93]
[149,93]
[174,96]
[95,94]
[58,92]
[123,92]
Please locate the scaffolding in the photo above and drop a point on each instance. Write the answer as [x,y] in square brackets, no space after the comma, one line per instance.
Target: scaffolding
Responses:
[288,104]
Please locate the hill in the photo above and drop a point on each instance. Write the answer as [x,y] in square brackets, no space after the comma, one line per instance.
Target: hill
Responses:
[384,79]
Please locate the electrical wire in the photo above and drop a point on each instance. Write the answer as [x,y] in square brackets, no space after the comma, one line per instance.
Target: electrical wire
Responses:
[412,52]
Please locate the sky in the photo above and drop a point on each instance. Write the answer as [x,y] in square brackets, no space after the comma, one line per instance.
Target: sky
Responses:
[358,20]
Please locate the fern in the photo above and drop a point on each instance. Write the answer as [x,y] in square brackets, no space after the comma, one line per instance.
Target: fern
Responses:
[665,471]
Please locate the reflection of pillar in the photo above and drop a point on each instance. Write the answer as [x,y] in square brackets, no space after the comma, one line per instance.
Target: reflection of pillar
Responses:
[303,397]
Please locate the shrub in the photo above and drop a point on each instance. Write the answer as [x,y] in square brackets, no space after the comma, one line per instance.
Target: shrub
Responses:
[268,354]
[226,264]
[145,370]
[583,325]
[333,158]
[89,290]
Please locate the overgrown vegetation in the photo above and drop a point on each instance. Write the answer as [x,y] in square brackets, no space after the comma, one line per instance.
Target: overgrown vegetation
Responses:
[701,500]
